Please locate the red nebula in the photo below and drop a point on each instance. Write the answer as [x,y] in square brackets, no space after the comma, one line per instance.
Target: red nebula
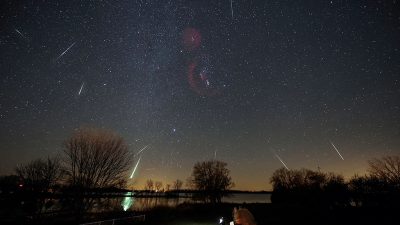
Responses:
[196,82]
[191,39]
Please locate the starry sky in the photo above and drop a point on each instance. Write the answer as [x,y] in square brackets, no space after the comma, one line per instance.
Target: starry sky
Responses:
[250,83]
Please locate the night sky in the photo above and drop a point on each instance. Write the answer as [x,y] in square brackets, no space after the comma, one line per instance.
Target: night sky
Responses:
[246,82]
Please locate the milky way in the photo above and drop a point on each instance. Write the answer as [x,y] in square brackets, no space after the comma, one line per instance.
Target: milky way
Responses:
[193,78]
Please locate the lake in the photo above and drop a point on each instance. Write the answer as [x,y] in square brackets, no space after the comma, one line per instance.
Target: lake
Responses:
[145,203]
[142,203]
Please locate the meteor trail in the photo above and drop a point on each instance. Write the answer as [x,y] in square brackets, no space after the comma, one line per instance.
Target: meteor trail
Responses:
[80,90]
[277,156]
[61,55]
[137,164]
[141,150]
[16,30]
[231,9]
[336,150]
[134,169]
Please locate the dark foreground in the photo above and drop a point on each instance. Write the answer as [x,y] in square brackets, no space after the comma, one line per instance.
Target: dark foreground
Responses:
[268,214]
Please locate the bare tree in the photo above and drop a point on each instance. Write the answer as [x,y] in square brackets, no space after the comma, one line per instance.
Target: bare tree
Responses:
[386,169]
[177,185]
[212,179]
[95,159]
[39,178]
[149,185]
[40,175]
[283,179]
[158,185]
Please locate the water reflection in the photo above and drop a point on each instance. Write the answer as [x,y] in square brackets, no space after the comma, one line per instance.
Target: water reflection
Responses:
[146,203]
[128,201]
[143,203]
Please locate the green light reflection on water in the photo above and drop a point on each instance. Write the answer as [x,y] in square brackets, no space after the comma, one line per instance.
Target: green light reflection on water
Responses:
[128,201]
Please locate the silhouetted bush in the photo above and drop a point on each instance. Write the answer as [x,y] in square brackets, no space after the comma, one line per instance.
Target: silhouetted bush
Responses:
[39,181]
[212,179]
[369,191]
[379,188]
[308,187]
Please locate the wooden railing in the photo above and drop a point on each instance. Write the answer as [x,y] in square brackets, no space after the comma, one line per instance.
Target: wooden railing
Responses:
[124,220]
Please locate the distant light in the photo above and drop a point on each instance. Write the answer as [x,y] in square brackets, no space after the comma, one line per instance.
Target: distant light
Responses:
[20,185]
[221,220]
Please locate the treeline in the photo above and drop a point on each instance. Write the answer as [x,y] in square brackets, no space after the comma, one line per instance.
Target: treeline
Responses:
[92,161]
[157,186]
[380,187]
[94,164]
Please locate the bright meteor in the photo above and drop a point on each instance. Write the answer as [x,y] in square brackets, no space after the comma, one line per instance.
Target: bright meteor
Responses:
[80,90]
[137,164]
[336,150]
[277,156]
[19,32]
[134,169]
[61,55]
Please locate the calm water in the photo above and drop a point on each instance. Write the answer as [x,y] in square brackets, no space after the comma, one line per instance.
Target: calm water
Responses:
[248,198]
[145,203]
[131,203]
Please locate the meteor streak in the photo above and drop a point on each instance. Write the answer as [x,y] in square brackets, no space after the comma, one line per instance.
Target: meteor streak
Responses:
[16,30]
[80,90]
[231,9]
[141,150]
[336,150]
[134,169]
[277,156]
[61,55]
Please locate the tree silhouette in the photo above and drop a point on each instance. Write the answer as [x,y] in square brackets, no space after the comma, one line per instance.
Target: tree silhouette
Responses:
[149,185]
[40,175]
[212,179]
[158,185]
[381,186]
[364,190]
[177,185]
[308,187]
[94,159]
[386,169]
[39,178]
